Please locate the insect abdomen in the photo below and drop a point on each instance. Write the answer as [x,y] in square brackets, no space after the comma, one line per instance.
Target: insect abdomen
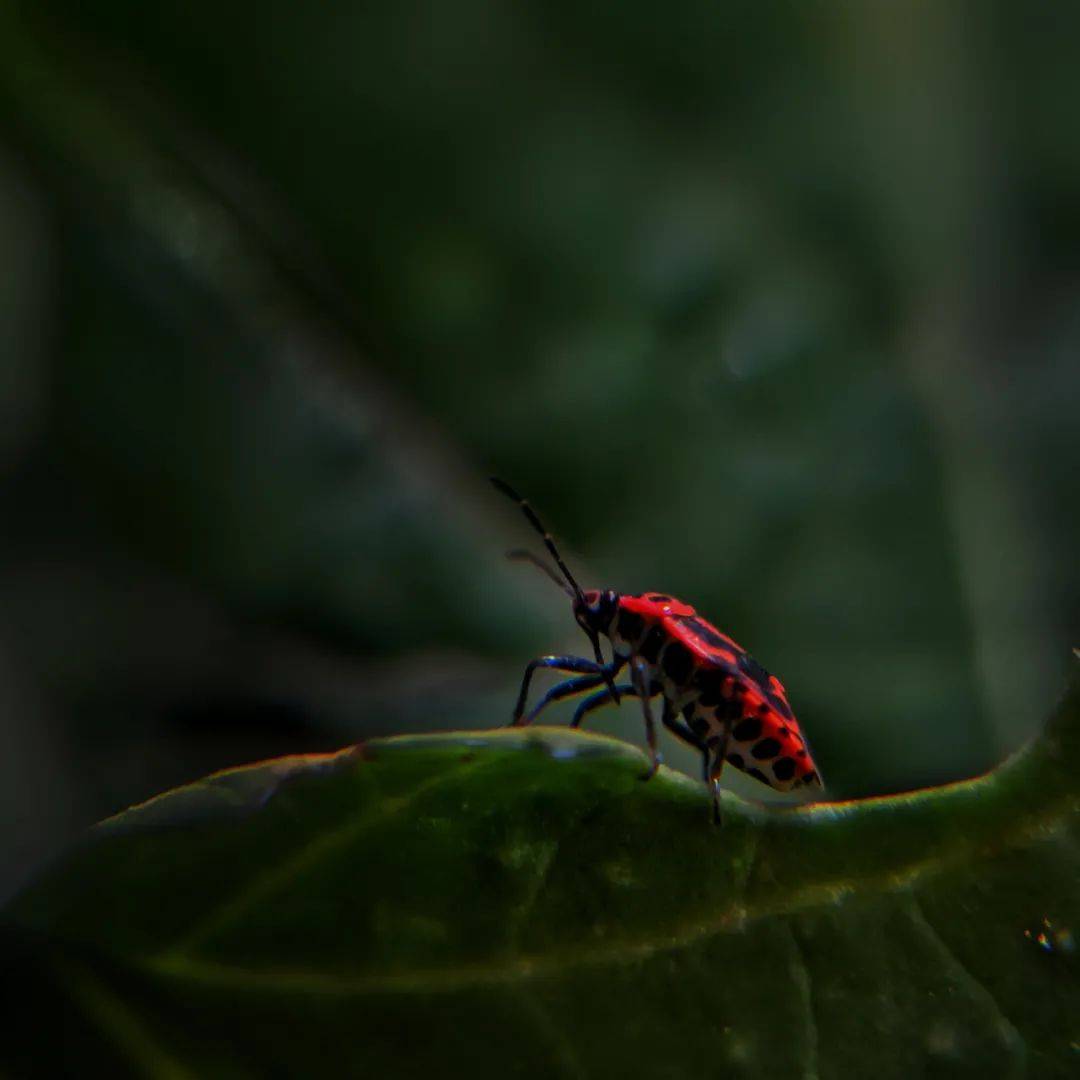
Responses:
[716,684]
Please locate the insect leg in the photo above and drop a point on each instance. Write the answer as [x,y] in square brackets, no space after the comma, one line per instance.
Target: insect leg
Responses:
[677,727]
[575,664]
[717,768]
[639,673]
[594,701]
[563,690]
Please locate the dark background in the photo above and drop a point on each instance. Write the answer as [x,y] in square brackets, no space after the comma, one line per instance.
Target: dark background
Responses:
[774,307]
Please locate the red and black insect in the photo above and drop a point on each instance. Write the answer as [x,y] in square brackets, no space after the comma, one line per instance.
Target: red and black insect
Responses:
[716,697]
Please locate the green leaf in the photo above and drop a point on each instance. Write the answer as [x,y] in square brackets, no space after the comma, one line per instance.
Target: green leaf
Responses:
[519,902]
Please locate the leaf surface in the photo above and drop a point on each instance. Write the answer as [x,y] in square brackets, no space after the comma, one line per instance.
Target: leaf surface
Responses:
[520,903]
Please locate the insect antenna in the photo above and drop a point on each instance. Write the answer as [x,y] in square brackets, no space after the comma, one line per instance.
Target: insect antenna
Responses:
[521,555]
[538,525]
[549,543]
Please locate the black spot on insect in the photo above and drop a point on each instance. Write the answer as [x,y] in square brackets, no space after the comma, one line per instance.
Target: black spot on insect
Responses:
[764,708]
[781,706]
[678,663]
[783,768]
[757,774]
[810,777]
[710,684]
[767,748]
[800,753]
[736,760]
[658,598]
[630,626]
[728,709]
[697,724]
[653,643]
[753,670]
[748,730]
[702,630]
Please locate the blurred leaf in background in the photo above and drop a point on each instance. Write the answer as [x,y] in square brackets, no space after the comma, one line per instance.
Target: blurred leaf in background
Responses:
[771,307]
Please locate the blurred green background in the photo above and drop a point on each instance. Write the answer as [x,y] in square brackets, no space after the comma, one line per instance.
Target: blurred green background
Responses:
[773,307]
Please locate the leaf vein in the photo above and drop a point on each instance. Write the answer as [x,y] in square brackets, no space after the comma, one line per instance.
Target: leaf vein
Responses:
[978,989]
[563,1051]
[282,874]
[116,1019]
[806,991]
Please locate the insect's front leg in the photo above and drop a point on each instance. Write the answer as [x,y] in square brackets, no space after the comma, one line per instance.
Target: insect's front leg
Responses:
[594,701]
[572,686]
[575,664]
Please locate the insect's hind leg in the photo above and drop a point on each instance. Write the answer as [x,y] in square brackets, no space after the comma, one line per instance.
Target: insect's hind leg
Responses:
[574,664]
[639,673]
[678,728]
[712,773]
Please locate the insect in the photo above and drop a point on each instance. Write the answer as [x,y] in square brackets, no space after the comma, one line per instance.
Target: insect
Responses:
[716,697]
